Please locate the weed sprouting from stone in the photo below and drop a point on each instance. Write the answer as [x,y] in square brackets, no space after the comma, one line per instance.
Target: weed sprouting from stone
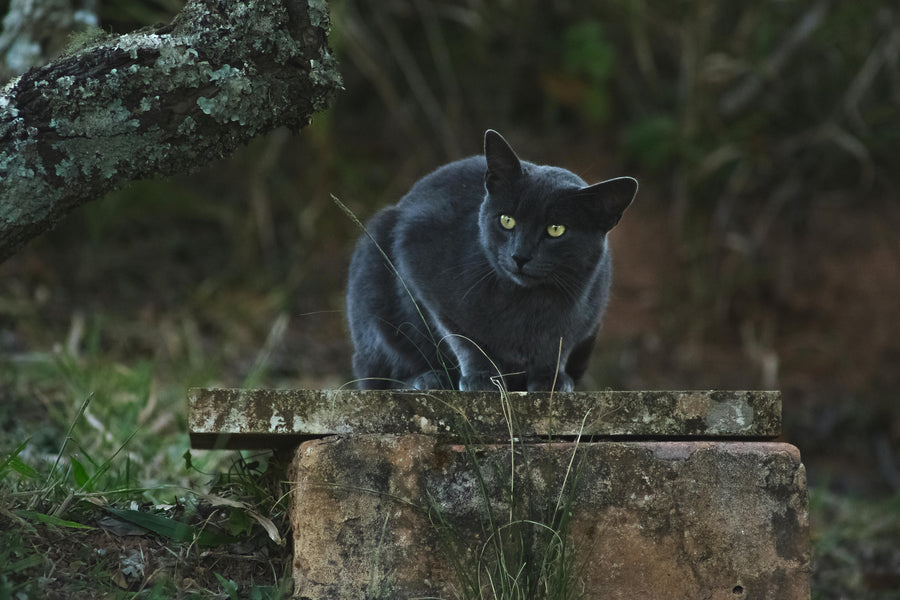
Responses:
[527,553]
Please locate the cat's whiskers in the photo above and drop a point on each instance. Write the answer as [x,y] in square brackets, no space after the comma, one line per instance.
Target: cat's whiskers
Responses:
[454,270]
[565,285]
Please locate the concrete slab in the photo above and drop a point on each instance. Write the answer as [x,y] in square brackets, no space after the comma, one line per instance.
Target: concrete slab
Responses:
[231,418]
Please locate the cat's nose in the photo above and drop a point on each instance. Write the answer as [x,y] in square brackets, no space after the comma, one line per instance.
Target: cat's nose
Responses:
[520,260]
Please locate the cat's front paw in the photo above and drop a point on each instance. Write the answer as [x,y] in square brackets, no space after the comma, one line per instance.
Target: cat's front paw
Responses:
[432,380]
[546,383]
[478,381]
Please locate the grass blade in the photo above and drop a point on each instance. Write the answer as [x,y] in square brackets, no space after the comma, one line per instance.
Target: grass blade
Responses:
[51,520]
[68,437]
[16,464]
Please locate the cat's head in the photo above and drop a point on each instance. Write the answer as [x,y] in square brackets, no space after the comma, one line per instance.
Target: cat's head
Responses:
[544,225]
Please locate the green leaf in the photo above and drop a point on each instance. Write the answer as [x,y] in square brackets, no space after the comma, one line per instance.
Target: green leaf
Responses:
[164,526]
[239,523]
[15,463]
[229,586]
[170,528]
[51,520]
[80,473]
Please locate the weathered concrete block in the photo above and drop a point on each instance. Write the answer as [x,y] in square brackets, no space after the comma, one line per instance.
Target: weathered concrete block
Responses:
[646,520]
[229,418]
[394,506]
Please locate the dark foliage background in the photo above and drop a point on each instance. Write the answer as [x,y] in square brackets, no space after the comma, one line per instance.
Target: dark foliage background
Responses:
[761,251]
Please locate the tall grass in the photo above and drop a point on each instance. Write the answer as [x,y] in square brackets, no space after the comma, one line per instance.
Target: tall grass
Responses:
[524,551]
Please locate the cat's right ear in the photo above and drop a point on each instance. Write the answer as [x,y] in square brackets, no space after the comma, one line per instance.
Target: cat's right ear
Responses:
[614,196]
[503,166]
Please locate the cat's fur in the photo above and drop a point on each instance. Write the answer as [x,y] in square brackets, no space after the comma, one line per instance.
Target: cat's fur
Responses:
[449,297]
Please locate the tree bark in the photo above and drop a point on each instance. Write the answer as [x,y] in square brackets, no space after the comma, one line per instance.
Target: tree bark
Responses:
[156,102]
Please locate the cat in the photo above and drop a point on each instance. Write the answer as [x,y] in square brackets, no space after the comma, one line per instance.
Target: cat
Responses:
[490,270]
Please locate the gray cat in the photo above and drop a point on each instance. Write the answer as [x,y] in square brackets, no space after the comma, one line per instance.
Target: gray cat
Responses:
[490,270]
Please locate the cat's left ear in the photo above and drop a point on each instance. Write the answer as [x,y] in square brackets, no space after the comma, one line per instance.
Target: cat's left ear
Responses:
[613,197]
[503,166]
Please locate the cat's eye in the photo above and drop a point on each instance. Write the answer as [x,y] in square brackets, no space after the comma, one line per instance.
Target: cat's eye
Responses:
[556,230]
[507,222]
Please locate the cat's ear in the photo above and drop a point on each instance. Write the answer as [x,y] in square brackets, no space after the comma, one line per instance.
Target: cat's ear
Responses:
[613,197]
[503,166]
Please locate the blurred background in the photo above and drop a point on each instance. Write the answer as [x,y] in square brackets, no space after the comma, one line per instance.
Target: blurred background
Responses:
[762,250]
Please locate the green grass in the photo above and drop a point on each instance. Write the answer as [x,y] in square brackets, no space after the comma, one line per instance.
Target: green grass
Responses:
[855,546]
[100,495]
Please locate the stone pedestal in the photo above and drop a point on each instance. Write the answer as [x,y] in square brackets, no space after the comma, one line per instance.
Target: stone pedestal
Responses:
[674,494]
[648,519]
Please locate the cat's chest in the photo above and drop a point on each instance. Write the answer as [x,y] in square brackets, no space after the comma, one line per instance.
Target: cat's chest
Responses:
[512,314]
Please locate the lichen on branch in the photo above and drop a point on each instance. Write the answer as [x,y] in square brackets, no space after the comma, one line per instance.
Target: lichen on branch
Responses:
[156,102]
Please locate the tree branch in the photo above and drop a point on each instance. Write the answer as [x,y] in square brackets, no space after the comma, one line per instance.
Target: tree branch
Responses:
[156,102]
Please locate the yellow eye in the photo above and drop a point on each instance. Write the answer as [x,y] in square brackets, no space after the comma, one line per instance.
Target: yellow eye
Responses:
[507,222]
[556,230]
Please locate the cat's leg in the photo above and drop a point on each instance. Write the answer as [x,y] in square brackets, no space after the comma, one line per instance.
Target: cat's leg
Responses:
[426,363]
[410,354]
[373,371]
[549,370]
[480,380]
[402,357]
[435,367]
[476,370]
[433,380]
[578,358]
[558,382]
